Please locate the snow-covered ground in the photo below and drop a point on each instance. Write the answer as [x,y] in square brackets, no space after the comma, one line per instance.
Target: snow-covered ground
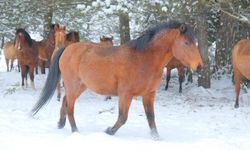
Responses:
[197,119]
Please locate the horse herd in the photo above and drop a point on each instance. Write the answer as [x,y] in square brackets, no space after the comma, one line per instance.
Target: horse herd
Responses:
[131,69]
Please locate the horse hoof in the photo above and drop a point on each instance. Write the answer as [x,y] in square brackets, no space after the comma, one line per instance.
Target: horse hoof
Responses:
[61,123]
[110,131]
[166,88]
[74,130]
[155,135]
[236,106]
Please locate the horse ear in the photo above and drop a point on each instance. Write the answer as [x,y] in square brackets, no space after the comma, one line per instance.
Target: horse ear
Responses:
[55,28]
[183,28]
[102,38]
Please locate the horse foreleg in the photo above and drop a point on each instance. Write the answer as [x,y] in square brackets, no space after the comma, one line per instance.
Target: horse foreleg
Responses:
[7,64]
[124,104]
[148,103]
[168,78]
[31,73]
[181,75]
[23,73]
[237,77]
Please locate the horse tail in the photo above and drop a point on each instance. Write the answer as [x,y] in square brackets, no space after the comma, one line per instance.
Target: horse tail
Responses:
[51,83]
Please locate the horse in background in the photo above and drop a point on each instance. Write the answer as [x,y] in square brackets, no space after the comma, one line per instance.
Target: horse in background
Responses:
[27,55]
[132,69]
[106,41]
[9,54]
[62,41]
[72,37]
[59,43]
[241,63]
[45,49]
[174,63]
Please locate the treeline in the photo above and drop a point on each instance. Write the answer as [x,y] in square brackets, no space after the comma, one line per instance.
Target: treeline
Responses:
[218,24]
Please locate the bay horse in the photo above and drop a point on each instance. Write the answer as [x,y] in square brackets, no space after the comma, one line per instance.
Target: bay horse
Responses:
[132,69]
[241,62]
[72,37]
[27,55]
[174,63]
[9,54]
[59,43]
[46,48]
[106,41]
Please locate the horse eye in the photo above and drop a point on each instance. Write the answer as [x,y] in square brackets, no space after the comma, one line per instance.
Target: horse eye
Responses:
[186,43]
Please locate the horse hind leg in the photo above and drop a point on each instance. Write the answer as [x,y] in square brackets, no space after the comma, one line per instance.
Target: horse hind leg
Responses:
[237,77]
[58,91]
[124,104]
[72,92]
[63,113]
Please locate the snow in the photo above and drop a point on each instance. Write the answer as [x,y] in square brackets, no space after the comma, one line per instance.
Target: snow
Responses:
[197,119]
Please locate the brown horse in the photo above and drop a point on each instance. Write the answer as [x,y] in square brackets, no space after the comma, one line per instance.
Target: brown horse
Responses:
[132,69]
[241,62]
[106,41]
[27,55]
[174,63]
[45,49]
[72,37]
[9,54]
[59,43]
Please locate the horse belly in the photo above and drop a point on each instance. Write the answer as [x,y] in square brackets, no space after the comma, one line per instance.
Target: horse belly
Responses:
[100,83]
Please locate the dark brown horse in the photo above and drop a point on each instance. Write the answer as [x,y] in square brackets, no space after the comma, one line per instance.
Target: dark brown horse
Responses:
[72,37]
[174,63]
[27,55]
[241,63]
[132,69]
[45,49]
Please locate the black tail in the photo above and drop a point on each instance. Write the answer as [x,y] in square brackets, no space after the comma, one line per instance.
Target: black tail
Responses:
[50,84]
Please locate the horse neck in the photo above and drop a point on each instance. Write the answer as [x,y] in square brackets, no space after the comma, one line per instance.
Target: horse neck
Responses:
[160,48]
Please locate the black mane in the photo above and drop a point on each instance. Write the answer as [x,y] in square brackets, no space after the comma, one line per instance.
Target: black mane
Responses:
[26,36]
[142,41]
